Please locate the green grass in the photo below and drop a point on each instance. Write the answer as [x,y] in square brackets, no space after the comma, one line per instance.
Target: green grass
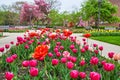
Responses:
[109,39]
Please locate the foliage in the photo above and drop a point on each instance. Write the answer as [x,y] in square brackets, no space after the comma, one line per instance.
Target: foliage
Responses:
[107,10]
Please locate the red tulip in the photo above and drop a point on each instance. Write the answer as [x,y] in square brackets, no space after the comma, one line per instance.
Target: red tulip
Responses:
[84,39]
[9,75]
[25,63]
[96,51]
[94,76]
[9,59]
[108,66]
[94,61]
[74,74]
[87,35]
[33,63]
[63,60]
[82,75]
[33,71]
[70,65]
[7,46]
[111,54]
[55,62]
[95,45]
[86,47]
[82,63]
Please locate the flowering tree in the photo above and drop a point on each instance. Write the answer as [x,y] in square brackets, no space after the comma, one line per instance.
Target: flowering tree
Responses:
[36,12]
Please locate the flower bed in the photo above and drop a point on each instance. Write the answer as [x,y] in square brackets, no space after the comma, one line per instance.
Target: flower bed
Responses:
[43,55]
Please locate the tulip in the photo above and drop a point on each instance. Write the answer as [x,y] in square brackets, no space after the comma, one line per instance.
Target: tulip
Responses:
[94,76]
[25,63]
[96,51]
[50,54]
[58,54]
[26,46]
[2,49]
[74,74]
[72,46]
[83,39]
[95,45]
[61,47]
[73,59]
[94,61]
[82,75]
[82,63]
[9,59]
[9,75]
[7,46]
[14,56]
[110,54]
[108,66]
[66,54]
[55,50]
[86,47]
[63,60]
[82,50]
[12,42]
[41,59]
[30,42]
[100,48]
[74,50]
[38,43]
[55,62]
[70,65]
[33,71]
[103,62]
[33,63]
[116,57]
[77,42]
[58,43]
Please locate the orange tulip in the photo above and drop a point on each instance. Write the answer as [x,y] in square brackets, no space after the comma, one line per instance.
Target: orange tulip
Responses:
[40,51]
[67,32]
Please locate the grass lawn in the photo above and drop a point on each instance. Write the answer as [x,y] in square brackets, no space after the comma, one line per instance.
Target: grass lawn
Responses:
[109,39]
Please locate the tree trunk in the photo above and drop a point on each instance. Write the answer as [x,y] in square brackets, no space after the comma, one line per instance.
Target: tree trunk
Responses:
[97,24]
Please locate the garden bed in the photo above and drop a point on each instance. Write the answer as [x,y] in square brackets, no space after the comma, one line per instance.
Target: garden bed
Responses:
[43,55]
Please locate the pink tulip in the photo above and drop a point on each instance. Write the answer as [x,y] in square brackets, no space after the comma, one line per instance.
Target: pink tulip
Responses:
[74,74]
[94,61]
[58,43]
[55,62]
[74,50]
[41,59]
[25,63]
[73,59]
[2,49]
[111,54]
[86,47]
[77,42]
[100,48]
[82,75]
[38,43]
[72,46]
[9,59]
[58,54]
[103,62]
[55,50]
[66,54]
[61,47]
[109,66]
[9,75]
[63,60]
[30,42]
[94,76]
[96,51]
[33,63]
[7,46]
[14,56]
[70,65]
[33,71]
[82,50]
[19,39]
[84,39]
[50,54]
[82,63]
[26,46]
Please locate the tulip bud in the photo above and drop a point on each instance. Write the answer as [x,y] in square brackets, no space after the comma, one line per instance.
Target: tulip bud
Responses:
[82,75]
[33,63]
[74,74]
[33,71]
[9,75]
[55,62]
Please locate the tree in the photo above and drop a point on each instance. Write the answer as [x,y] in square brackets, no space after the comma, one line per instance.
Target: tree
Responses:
[107,10]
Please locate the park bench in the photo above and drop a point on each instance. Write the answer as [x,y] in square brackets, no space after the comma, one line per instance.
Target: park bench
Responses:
[110,28]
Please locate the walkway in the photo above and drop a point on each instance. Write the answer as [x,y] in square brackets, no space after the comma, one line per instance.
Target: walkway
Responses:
[107,47]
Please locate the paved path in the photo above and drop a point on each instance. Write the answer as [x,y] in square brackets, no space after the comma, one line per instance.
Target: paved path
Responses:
[107,47]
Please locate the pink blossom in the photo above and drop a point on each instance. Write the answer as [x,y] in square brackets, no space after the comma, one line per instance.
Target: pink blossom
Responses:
[82,63]
[2,49]
[33,63]
[7,46]
[66,54]
[9,59]
[70,65]
[82,75]
[95,45]
[96,51]
[108,66]
[14,56]
[61,47]
[55,62]
[94,76]
[9,75]
[63,60]
[74,50]
[74,74]
[12,42]
[33,71]
[50,54]
[111,54]
[100,48]
[25,63]
[58,54]
[72,46]
[83,50]
[94,61]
